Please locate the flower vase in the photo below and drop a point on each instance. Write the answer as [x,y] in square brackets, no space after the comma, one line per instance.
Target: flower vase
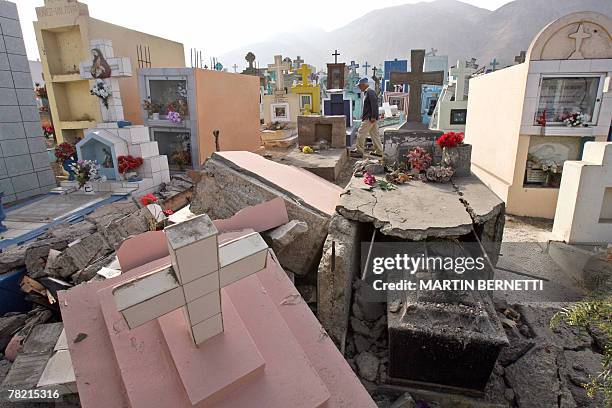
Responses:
[2,214]
[66,164]
[450,156]
[130,174]
[88,188]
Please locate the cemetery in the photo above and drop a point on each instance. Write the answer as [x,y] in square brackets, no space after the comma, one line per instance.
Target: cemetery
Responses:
[192,235]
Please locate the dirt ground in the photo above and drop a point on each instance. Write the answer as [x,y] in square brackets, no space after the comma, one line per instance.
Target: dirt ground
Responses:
[526,229]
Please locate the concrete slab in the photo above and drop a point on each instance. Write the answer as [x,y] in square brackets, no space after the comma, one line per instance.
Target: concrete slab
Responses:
[325,163]
[414,211]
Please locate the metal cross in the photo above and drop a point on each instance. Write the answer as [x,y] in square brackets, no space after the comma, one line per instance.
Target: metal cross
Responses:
[494,63]
[335,54]
[366,66]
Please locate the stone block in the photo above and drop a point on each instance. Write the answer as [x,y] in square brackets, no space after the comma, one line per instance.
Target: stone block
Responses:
[29,113]
[397,143]
[25,182]
[8,97]
[339,264]
[10,27]
[22,80]
[16,165]
[4,62]
[15,46]
[40,160]
[15,147]
[18,63]
[3,172]
[287,233]
[32,129]
[37,145]
[147,149]
[10,114]
[42,338]
[6,185]
[13,130]
[8,10]
[26,97]
[6,79]
[46,178]
[79,255]
[312,129]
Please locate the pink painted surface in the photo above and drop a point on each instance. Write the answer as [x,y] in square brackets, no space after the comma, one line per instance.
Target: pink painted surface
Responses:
[260,217]
[82,313]
[287,334]
[142,249]
[314,190]
[232,356]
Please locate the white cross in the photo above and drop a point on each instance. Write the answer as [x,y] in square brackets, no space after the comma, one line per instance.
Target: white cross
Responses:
[459,73]
[104,60]
[200,268]
[279,67]
[579,36]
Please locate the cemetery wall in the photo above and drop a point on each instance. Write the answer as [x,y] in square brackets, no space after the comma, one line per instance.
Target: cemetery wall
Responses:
[163,54]
[495,108]
[229,103]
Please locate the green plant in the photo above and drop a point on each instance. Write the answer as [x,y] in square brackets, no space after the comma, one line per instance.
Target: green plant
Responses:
[593,313]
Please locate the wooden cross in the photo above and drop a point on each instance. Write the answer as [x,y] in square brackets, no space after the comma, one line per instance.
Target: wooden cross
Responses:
[199,268]
[519,59]
[279,67]
[353,67]
[335,54]
[494,63]
[415,79]
[235,66]
[579,36]
[366,66]
[305,72]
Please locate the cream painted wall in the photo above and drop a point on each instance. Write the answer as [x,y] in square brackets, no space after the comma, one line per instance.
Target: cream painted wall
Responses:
[230,103]
[495,107]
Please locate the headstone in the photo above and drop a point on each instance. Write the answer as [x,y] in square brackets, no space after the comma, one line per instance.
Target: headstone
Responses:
[337,104]
[24,162]
[335,73]
[393,66]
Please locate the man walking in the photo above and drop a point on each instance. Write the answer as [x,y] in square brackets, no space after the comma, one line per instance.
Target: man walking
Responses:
[369,121]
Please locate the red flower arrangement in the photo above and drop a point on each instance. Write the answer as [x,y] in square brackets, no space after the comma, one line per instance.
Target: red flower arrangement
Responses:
[168,212]
[48,131]
[127,163]
[148,199]
[450,139]
[64,151]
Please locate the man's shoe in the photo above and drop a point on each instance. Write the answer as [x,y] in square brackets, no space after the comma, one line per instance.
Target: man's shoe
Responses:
[375,154]
[355,153]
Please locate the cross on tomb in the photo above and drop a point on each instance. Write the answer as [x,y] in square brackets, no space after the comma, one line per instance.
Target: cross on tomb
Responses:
[105,69]
[519,59]
[298,62]
[279,67]
[374,69]
[235,66]
[250,57]
[472,63]
[305,72]
[335,54]
[459,73]
[432,52]
[415,79]
[579,36]
[353,67]
[200,267]
[366,66]
[494,63]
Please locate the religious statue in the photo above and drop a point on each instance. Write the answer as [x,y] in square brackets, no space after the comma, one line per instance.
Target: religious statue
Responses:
[108,159]
[99,67]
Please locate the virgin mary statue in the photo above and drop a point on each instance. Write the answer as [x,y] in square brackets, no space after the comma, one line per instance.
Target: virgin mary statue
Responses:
[99,68]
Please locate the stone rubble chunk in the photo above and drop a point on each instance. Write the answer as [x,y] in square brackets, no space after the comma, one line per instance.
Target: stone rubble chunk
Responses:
[360,327]
[405,401]
[287,233]
[12,259]
[119,229]
[364,293]
[367,363]
[80,255]
[37,253]
[581,367]
[565,336]
[9,324]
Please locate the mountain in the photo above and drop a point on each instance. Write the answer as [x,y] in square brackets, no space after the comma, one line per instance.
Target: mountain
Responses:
[452,27]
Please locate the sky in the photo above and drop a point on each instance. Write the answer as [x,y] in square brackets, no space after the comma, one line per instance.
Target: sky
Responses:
[219,26]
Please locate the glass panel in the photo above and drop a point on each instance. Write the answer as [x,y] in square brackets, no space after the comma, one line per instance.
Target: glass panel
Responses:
[564,96]
[176,146]
[166,93]
[305,100]
[546,157]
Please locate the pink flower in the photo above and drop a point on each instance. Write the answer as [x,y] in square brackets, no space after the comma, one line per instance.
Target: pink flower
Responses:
[369,179]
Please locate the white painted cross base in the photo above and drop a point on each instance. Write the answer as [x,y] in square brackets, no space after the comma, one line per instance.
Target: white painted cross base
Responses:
[584,206]
[200,268]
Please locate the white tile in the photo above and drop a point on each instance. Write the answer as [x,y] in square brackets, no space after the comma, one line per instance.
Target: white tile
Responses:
[533,86]
[551,66]
[243,268]
[146,311]
[601,65]
[198,259]
[204,307]
[575,66]
[58,371]
[201,286]
[207,329]
[232,251]
[145,288]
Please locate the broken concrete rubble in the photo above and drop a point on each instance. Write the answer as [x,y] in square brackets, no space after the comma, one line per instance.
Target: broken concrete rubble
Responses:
[287,233]
[232,181]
